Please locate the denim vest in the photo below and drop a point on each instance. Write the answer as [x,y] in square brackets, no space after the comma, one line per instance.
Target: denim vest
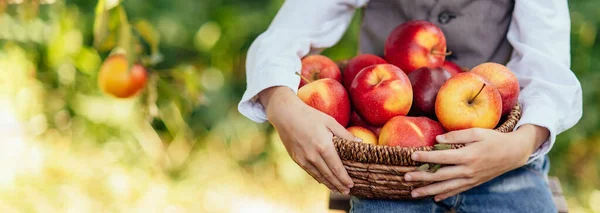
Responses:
[475,30]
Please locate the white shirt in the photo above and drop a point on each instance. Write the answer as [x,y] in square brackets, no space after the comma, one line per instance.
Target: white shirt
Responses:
[539,33]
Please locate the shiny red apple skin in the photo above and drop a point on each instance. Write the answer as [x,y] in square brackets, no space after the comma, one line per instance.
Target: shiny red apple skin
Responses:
[328,96]
[358,63]
[366,135]
[381,92]
[356,120]
[407,131]
[415,44]
[452,67]
[504,80]
[466,101]
[426,83]
[315,67]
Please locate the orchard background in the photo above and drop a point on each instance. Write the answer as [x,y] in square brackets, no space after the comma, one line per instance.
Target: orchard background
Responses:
[180,145]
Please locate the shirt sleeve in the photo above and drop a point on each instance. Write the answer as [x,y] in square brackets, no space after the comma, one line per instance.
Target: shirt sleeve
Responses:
[550,92]
[299,27]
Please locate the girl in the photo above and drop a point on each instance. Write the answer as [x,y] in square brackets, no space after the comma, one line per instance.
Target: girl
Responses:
[495,172]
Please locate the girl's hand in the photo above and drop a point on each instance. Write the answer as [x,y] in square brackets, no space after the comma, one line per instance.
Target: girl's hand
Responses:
[487,154]
[307,135]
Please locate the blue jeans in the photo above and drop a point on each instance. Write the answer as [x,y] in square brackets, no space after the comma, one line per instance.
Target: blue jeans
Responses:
[524,190]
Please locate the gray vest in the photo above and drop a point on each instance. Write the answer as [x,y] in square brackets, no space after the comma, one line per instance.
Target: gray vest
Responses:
[475,30]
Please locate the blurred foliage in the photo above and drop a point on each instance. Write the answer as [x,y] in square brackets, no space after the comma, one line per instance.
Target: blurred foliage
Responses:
[181,145]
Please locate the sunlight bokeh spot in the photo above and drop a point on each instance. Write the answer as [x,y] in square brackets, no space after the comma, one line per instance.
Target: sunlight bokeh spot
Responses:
[207,36]
[212,79]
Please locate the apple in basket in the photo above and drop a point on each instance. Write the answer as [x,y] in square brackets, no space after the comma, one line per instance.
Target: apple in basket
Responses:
[315,67]
[425,83]
[504,80]
[467,100]
[452,68]
[363,133]
[356,64]
[356,120]
[410,132]
[381,92]
[415,44]
[328,96]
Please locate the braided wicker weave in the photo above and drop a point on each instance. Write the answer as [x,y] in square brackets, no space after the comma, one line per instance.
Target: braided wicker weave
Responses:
[378,171]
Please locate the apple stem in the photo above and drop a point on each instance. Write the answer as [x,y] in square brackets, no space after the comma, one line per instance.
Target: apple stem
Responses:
[303,78]
[473,99]
[440,53]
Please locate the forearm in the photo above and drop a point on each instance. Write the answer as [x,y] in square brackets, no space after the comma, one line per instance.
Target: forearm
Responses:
[279,95]
[530,137]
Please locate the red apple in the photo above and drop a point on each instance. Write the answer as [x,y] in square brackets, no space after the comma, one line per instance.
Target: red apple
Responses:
[366,135]
[467,100]
[504,80]
[315,67]
[328,96]
[381,92]
[452,68]
[410,132]
[356,120]
[358,63]
[377,130]
[415,44]
[425,84]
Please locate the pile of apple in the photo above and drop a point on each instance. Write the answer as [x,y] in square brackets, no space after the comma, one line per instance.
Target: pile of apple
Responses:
[413,95]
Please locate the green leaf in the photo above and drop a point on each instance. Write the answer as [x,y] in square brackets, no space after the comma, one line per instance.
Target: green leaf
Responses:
[429,167]
[151,60]
[442,146]
[148,33]
[125,40]
[423,167]
[87,60]
[151,95]
[100,24]
[434,168]
[171,116]
[106,25]
[112,4]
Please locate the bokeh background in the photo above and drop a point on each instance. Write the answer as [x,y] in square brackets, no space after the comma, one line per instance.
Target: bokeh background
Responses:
[181,145]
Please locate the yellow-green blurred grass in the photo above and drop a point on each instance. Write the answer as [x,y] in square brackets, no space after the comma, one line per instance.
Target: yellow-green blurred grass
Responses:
[54,173]
[54,178]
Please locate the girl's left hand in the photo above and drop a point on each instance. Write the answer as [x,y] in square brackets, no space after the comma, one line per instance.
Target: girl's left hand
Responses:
[487,154]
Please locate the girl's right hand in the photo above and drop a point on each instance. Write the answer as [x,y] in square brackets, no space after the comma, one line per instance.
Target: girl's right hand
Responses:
[307,136]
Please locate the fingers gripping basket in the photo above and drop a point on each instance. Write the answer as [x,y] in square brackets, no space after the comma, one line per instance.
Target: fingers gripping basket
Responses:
[378,171]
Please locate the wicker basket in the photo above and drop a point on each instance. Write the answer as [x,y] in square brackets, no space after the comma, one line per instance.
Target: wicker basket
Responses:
[378,171]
